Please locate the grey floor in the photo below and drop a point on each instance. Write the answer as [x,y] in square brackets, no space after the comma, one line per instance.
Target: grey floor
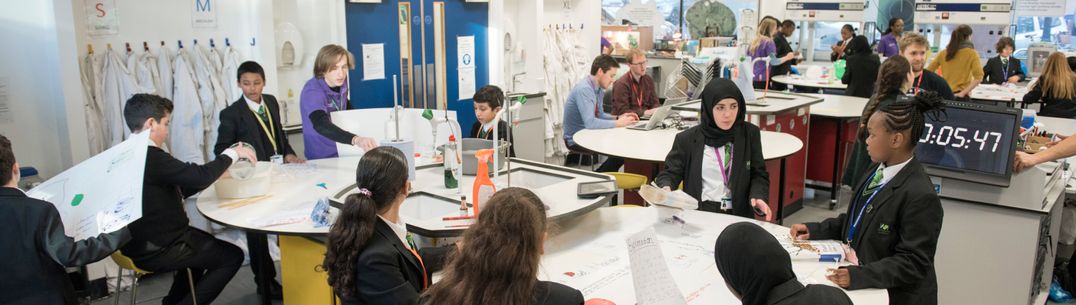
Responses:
[241,290]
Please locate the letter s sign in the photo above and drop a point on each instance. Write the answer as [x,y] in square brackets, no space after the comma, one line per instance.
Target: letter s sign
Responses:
[100,9]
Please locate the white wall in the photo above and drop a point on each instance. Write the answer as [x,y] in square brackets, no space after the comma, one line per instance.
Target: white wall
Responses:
[525,20]
[320,22]
[30,65]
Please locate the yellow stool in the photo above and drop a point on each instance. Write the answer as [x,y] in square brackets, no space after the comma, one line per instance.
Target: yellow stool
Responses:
[126,263]
[628,181]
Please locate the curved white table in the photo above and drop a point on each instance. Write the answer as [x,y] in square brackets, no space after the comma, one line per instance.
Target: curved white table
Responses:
[590,254]
[654,145]
[999,93]
[292,196]
[800,81]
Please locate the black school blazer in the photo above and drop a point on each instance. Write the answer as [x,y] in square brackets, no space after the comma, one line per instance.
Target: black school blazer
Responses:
[749,178]
[896,239]
[239,124]
[387,273]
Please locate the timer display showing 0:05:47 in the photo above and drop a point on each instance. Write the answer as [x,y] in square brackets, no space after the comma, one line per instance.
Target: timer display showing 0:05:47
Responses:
[952,136]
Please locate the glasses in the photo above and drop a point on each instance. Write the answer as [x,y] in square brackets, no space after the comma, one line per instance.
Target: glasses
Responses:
[638,64]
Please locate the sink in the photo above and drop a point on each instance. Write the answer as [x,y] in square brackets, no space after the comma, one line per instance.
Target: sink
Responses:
[422,206]
[531,179]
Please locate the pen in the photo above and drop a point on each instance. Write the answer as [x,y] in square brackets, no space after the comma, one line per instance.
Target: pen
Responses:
[449,218]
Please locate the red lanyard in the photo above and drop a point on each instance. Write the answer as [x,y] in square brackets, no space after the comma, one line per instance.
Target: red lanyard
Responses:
[919,83]
[638,93]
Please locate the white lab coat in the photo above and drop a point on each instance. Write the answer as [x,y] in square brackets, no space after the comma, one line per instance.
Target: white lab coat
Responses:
[228,77]
[95,133]
[116,85]
[211,93]
[187,132]
[165,59]
[142,74]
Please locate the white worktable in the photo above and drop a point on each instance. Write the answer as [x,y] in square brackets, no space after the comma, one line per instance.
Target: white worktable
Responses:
[590,254]
[294,195]
[999,93]
[801,81]
[775,102]
[654,145]
[838,106]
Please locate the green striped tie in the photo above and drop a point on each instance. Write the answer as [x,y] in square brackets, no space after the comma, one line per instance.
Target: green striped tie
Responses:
[876,181]
[262,114]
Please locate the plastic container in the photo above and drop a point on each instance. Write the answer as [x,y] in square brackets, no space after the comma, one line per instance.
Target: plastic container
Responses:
[471,145]
[483,187]
[257,184]
[451,165]
[1028,119]
[838,68]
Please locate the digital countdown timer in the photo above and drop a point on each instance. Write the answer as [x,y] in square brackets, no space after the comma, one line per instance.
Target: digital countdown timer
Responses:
[970,142]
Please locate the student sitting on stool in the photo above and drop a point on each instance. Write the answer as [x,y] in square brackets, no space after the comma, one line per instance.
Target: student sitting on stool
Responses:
[370,257]
[720,160]
[895,217]
[36,250]
[162,239]
[513,228]
[255,119]
[583,110]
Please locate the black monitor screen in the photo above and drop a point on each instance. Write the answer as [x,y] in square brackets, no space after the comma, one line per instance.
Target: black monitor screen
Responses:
[973,139]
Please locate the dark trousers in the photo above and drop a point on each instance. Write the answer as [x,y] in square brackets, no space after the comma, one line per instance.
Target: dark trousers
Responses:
[260,261]
[611,164]
[213,263]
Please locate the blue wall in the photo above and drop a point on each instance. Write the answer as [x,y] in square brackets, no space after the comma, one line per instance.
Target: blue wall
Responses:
[378,23]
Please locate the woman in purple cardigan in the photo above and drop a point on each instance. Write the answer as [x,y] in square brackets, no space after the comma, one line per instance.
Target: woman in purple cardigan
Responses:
[763,46]
[887,46]
[325,93]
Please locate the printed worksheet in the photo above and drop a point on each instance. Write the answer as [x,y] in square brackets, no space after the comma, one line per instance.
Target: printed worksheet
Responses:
[654,283]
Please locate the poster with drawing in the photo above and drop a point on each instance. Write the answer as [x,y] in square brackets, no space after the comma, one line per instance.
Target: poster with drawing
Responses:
[101,194]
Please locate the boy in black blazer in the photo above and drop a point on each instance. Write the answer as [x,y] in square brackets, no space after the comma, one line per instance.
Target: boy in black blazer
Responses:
[162,240]
[894,218]
[1003,68]
[36,248]
[255,119]
[487,102]
[738,187]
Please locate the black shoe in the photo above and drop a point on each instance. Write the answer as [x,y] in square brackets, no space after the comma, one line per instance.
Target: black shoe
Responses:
[276,291]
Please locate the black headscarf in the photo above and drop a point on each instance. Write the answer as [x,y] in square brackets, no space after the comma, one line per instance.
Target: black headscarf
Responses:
[751,261]
[859,45]
[715,91]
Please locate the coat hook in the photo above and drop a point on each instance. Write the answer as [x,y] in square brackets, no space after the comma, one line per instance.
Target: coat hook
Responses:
[145,46]
[109,45]
[252,43]
[90,48]
[162,43]
[127,45]
[195,41]
[227,43]
[212,44]
[179,43]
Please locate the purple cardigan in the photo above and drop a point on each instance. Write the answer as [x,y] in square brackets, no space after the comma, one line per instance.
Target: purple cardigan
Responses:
[887,46]
[317,95]
[765,49]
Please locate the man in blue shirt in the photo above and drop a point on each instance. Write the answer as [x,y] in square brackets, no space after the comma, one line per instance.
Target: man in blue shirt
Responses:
[583,110]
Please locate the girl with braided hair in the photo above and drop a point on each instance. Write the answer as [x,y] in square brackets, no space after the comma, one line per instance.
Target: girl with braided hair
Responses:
[894,79]
[893,221]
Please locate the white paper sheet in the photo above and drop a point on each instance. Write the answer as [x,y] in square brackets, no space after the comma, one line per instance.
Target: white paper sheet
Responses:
[654,283]
[101,194]
[373,61]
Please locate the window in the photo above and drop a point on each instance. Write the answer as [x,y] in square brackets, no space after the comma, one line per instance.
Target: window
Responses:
[697,15]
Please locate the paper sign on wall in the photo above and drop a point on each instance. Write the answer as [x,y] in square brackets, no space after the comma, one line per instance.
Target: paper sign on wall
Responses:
[465,66]
[101,17]
[204,14]
[373,61]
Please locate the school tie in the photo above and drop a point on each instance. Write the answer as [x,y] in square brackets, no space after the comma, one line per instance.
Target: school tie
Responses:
[262,114]
[411,241]
[876,181]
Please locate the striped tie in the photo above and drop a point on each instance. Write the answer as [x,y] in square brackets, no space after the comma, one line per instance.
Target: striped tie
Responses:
[262,114]
[876,181]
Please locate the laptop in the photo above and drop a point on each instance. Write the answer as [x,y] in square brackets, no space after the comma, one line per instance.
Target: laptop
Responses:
[672,101]
[659,115]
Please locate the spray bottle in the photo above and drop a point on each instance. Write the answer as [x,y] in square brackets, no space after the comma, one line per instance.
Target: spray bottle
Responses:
[483,186]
